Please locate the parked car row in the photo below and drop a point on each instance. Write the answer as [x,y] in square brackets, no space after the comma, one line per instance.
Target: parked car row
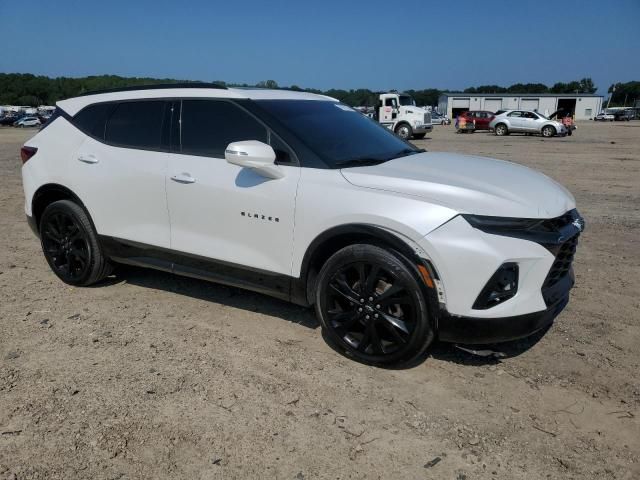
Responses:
[618,116]
[24,121]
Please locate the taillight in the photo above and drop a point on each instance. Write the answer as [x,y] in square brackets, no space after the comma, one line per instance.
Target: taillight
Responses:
[26,153]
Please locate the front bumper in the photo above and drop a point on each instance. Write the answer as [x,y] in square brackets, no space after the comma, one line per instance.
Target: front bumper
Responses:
[453,328]
[466,258]
[423,128]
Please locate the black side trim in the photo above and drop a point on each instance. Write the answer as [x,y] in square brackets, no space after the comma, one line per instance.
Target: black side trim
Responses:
[453,328]
[157,86]
[189,265]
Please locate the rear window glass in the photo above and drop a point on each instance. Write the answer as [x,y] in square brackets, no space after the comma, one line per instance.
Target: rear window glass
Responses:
[209,126]
[136,125]
[91,119]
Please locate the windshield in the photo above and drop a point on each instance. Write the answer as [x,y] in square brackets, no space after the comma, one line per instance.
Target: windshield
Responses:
[339,135]
[406,100]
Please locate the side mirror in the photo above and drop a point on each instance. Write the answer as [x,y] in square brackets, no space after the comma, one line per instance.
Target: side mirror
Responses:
[255,155]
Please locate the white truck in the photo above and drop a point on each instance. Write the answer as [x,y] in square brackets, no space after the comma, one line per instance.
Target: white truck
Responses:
[398,112]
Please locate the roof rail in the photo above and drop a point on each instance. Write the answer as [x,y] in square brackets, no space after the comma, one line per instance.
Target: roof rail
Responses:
[156,86]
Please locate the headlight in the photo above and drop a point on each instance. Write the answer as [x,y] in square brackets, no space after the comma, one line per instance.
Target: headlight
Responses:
[547,232]
[497,224]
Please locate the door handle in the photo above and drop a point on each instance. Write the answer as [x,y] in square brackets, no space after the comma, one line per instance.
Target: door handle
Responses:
[88,158]
[183,178]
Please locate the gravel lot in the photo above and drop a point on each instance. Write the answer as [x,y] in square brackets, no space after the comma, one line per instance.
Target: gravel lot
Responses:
[155,376]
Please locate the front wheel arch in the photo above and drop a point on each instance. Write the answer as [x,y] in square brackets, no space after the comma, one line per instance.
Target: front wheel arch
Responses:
[330,241]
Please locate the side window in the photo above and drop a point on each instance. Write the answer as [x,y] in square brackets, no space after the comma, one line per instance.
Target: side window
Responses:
[515,114]
[209,126]
[136,125]
[91,120]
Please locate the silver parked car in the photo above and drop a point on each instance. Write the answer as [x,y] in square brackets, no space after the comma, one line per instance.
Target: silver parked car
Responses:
[438,119]
[524,121]
[27,122]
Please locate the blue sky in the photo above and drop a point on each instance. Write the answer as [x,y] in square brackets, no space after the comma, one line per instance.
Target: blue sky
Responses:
[324,44]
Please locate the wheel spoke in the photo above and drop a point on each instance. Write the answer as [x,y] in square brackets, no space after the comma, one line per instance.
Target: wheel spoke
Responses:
[51,236]
[376,343]
[394,332]
[389,292]
[403,300]
[361,279]
[372,278]
[396,322]
[341,286]
[366,339]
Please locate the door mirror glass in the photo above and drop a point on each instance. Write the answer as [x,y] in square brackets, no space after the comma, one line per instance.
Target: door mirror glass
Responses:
[255,155]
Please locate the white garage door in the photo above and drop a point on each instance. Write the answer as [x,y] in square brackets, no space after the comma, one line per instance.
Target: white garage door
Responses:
[460,103]
[529,104]
[492,104]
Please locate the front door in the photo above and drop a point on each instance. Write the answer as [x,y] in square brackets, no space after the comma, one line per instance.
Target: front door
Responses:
[530,122]
[222,211]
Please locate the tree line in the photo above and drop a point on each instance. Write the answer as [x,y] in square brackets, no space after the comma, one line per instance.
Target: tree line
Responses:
[32,90]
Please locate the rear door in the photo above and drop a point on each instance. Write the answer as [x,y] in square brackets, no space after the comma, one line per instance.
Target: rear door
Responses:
[515,121]
[222,211]
[121,167]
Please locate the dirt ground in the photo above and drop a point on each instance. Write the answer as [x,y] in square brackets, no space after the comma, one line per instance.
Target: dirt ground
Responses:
[152,376]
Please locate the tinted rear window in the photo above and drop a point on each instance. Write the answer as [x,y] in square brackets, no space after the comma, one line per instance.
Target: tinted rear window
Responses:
[209,126]
[136,125]
[92,119]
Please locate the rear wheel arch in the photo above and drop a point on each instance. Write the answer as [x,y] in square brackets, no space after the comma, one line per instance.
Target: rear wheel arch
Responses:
[337,238]
[49,193]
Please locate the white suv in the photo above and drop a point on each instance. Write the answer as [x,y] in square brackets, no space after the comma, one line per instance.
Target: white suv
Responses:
[300,197]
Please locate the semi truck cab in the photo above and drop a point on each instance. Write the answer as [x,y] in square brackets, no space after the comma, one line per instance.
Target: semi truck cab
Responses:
[398,112]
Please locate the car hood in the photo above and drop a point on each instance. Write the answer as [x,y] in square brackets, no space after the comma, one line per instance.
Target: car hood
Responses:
[468,184]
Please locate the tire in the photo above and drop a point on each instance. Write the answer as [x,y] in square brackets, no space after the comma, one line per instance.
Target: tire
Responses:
[371,306]
[548,131]
[419,136]
[404,131]
[70,244]
[501,130]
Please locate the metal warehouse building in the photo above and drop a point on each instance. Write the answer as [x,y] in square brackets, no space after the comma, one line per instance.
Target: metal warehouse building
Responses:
[584,106]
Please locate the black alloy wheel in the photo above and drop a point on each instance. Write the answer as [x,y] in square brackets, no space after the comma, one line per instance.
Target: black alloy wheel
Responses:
[371,306]
[70,244]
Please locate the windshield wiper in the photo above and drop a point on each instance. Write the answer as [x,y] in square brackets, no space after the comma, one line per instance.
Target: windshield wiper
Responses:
[359,162]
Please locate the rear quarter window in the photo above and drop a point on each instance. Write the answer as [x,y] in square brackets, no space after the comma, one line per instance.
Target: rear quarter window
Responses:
[91,119]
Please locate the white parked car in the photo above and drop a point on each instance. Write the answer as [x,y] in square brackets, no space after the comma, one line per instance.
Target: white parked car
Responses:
[604,117]
[298,196]
[524,121]
[27,122]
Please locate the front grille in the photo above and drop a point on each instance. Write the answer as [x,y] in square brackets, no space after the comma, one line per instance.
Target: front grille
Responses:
[427,118]
[555,224]
[562,264]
